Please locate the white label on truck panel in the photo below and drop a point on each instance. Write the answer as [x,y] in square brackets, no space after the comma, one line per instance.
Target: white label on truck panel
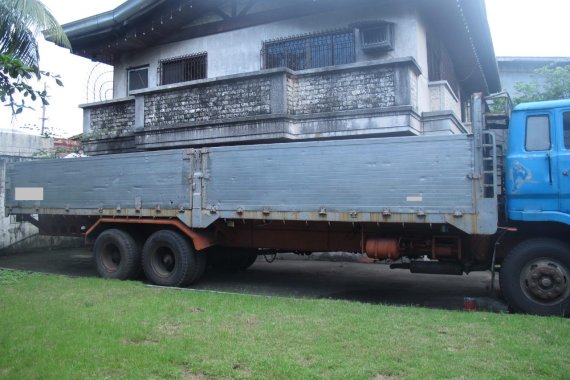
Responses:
[29,193]
[415,198]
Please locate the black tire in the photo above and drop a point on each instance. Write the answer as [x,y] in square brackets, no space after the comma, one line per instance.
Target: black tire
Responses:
[535,277]
[168,259]
[139,240]
[117,255]
[227,260]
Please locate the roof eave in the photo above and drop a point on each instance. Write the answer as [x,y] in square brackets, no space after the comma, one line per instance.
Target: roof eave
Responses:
[103,24]
[478,27]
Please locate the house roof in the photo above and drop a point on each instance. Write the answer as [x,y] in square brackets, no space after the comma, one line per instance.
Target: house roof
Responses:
[463,26]
[136,24]
[530,63]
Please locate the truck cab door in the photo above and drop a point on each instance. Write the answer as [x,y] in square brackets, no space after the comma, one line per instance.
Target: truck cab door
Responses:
[563,132]
[532,181]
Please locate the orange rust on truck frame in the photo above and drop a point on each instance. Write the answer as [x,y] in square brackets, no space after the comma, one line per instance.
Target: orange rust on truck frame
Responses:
[201,241]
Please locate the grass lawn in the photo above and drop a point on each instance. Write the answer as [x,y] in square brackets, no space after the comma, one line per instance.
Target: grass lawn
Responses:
[54,327]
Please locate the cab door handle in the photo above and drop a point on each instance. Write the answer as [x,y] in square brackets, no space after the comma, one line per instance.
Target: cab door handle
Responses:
[566,173]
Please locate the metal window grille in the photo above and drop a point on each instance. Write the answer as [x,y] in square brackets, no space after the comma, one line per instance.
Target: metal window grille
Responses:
[310,51]
[183,69]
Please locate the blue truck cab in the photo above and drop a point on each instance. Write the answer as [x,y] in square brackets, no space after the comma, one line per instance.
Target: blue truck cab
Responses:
[538,163]
[535,270]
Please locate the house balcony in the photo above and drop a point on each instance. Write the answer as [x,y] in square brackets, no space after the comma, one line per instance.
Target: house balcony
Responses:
[356,100]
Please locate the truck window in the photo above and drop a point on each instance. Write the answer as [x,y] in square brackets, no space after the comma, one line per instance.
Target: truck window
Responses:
[566,129]
[537,133]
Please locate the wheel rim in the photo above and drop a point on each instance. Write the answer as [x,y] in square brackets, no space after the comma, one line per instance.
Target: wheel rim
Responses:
[163,261]
[545,281]
[111,258]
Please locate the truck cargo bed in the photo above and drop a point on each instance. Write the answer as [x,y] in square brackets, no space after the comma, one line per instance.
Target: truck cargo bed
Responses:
[385,180]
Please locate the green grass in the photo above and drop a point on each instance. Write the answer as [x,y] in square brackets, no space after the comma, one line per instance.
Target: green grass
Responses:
[54,327]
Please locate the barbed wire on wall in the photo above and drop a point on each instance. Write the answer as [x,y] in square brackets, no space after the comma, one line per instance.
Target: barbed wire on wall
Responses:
[99,83]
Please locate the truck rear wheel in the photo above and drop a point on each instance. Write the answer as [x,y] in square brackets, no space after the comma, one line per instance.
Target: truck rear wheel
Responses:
[117,255]
[535,277]
[168,259]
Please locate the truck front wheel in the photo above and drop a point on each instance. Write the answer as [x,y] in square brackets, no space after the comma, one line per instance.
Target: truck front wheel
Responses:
[535,277]
[168,259]
[117,255]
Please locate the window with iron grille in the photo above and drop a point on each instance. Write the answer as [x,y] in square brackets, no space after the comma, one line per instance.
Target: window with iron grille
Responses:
[310,51]
[440,65]
[137,78]
[183,69]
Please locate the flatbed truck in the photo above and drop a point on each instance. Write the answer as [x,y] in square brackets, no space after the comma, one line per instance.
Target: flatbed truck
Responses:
[448,204]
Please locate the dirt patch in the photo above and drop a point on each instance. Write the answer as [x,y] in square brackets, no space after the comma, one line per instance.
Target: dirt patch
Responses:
[187,374]
[170,329]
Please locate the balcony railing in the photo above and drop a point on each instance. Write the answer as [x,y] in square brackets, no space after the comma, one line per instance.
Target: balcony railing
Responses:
[371,98]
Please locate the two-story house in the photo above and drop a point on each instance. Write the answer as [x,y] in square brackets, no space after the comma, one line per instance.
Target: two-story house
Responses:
[208,72]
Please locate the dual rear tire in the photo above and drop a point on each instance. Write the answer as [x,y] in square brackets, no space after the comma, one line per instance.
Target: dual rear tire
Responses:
[117,255]
[167,257]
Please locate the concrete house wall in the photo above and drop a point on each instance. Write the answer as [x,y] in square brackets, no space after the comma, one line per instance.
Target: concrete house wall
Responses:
[238,51]
[17,235]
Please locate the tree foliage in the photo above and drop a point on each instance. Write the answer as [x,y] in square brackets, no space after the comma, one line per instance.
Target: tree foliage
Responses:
[21,22]
[555,85]
[14,86]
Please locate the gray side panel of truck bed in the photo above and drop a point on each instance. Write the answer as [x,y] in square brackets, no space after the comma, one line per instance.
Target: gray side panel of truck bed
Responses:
[391,180]
[401,174]
[126,181]
[383,180]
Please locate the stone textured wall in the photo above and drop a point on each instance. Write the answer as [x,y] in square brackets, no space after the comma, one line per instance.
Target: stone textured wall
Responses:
[292,92]
[229,100]
[112,120]
[342,91]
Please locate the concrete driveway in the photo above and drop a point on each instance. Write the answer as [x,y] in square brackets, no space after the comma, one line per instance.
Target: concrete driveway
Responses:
[371,283]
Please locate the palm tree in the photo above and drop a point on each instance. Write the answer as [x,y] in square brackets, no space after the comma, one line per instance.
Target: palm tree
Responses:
[20,23]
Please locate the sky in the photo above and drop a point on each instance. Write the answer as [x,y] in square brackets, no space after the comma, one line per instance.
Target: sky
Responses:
[527,28]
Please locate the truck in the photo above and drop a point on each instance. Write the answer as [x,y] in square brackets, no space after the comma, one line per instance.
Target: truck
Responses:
[440,204]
